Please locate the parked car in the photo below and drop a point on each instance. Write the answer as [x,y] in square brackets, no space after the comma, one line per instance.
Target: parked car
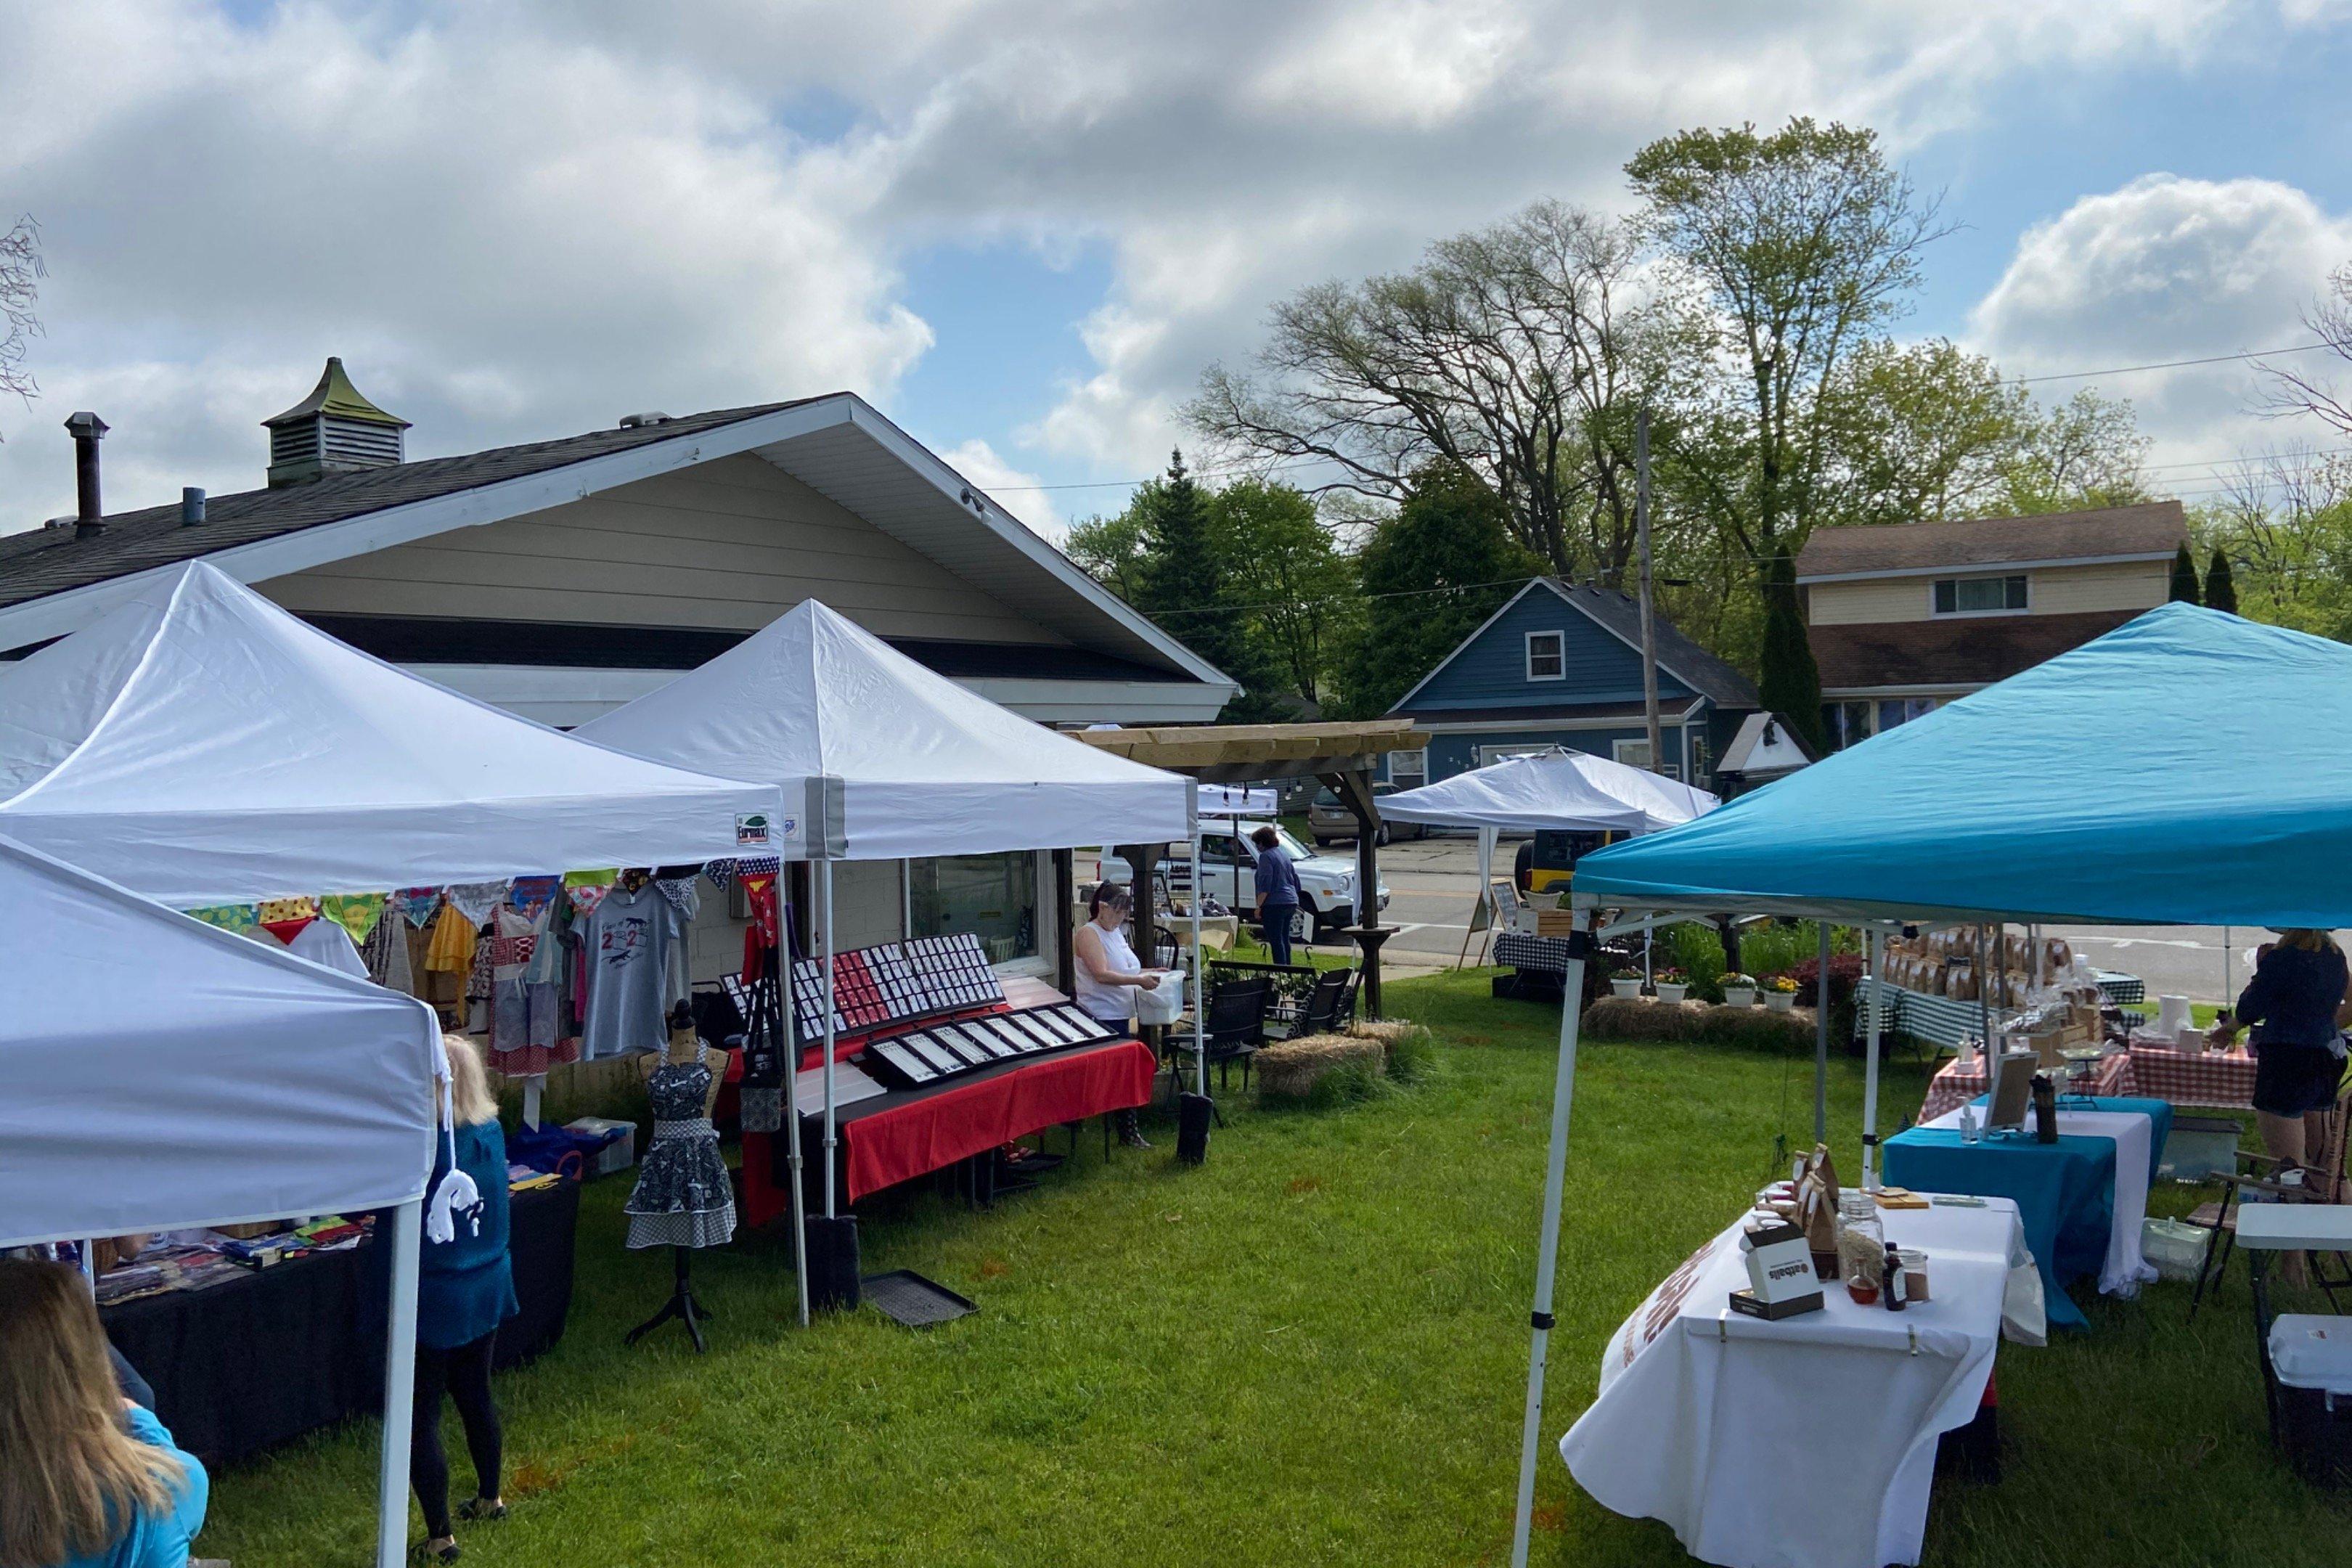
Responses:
[1327,883]
[1330,821]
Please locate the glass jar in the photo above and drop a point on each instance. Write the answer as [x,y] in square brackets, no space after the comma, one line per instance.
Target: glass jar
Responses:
[1862,1247]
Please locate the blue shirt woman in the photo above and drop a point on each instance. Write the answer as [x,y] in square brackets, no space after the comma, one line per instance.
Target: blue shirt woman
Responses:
[158,1540]
[465,1286]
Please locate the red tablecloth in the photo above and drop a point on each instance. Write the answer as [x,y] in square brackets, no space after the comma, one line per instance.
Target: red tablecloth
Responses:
[1954,1086]
[2194,1077]
[900,1140]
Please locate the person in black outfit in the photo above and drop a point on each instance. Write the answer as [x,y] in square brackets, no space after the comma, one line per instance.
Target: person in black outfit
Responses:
[2297,1004]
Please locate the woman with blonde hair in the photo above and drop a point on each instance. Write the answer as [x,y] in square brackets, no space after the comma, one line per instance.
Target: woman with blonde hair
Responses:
[2295,1003]
[465,1288]
[88,1480]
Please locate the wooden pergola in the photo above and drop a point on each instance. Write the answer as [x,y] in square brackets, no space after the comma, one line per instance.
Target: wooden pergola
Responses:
[1341,755]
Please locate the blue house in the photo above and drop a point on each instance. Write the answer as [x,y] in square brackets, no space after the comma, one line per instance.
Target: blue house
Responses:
[1560,665]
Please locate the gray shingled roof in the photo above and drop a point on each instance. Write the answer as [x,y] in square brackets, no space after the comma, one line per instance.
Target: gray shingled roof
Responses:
[44,561]
[1701,671]
[2151,528]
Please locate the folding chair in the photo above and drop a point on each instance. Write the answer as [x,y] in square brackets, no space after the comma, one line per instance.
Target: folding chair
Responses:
[2324,1182]
[1232,1030]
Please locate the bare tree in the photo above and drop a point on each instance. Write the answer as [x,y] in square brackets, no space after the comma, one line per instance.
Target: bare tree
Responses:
[21,272]
[2284,520]
[2293,391]
[1511,352]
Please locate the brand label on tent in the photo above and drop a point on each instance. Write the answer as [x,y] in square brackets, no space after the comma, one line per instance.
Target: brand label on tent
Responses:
[753,829]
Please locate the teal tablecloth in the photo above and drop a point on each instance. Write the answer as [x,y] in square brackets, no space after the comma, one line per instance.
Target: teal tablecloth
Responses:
[2064,1191]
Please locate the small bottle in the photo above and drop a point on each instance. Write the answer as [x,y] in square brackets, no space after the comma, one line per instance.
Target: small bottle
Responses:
[1971,1131]
[1896,1298]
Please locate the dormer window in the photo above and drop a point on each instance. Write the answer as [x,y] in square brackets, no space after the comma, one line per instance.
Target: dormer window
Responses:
[1980,595]
[1546,656]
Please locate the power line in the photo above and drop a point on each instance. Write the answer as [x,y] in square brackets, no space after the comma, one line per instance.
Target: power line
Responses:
[2167,364]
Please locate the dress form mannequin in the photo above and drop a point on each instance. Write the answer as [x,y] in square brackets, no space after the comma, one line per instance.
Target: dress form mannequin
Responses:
[682,1197]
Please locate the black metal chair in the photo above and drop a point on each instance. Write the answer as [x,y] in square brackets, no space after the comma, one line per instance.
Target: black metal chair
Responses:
[1232,1030]
[1330,1007]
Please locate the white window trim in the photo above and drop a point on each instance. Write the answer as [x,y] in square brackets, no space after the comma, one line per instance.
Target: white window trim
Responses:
[1935,615]
[1617,750]
[1560,641]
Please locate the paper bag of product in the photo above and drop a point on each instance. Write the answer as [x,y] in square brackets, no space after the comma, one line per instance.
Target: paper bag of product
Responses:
[1817,1205]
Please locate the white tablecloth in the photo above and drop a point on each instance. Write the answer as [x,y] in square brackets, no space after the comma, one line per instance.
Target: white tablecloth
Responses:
[1811,1442]
[2124,1270]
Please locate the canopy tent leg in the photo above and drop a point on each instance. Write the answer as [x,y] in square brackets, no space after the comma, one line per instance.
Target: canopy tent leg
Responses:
[1870,1073]
[1822,1043]
[788,1023]
[1563,1094]
[399,1388]
[1483,914]
[1200,974]
[824,956]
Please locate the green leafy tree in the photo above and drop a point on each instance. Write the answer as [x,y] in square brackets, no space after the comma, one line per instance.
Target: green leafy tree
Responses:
[1431,574]
[2184,577]
[1113,552]
[2220,587]
[1186,580]
[1302,589]
[2283,527]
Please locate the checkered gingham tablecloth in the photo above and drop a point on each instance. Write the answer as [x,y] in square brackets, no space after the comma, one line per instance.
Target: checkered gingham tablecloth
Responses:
[1956,1086]
[1520,950]
[2193,1078]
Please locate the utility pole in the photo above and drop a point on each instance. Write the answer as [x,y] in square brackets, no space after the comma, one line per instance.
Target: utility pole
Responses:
[1649,629]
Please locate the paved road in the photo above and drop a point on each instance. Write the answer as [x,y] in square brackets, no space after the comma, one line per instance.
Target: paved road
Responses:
[1433,882]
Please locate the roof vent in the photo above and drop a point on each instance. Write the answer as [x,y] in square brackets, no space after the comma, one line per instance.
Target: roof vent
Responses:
[639,421]
[332,431]
[191,505]
[89,516]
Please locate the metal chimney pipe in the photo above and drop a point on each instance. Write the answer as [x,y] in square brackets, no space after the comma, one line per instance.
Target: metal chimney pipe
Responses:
[191,505]
[90,516]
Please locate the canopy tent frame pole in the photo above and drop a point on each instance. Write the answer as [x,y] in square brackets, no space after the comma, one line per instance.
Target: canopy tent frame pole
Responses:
[1485,906]
[788,1024]
[1870,1071]
[825,947]
[1821,1042]
[1539,1321]
[1200,974]
[399,1387]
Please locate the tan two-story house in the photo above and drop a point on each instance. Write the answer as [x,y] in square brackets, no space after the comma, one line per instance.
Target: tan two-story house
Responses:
[1904,617]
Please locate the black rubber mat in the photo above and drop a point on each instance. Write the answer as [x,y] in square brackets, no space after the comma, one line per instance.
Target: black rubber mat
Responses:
[905,1297]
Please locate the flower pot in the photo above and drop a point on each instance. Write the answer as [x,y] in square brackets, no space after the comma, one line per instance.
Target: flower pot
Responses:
[1779,1001]
[1622,987]
[1672,992]
[1739,995]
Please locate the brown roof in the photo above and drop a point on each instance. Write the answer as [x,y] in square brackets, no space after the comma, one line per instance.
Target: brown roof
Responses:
[1972,650]
[2152,528]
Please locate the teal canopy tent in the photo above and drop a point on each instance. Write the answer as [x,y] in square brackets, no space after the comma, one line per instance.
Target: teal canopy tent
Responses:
[2187,768]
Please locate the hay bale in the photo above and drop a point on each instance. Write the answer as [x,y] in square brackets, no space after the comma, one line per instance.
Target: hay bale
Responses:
[1388,1031]
[1642,1018]
[1292,1068]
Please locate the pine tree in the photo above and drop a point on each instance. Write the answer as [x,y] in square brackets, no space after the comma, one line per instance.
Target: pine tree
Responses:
[1791,683]
[2220,588]
[2184,577]
[1187,583]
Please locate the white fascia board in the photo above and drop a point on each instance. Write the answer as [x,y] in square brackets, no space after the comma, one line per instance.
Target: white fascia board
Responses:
[1981,568]
[1016,533]
[259,559]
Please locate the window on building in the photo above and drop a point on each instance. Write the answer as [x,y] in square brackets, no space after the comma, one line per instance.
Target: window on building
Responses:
[1546,656]
[1846,723]
[1490,754]
[1897,711]
[994,897]
[1636,755]
[1980,595]
[1409,770]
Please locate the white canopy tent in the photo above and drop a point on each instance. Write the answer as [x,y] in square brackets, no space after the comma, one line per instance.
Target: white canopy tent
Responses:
[895,762]
[1239,800]
[201,745]
[165,1074]
[198,746]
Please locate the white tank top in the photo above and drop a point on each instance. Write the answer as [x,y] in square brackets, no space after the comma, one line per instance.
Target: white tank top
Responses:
[1111,1003]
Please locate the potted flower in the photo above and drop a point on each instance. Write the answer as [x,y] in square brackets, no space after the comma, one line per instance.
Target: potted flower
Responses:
[1673,984]
[1738,990]
[1626,986]
[1780,994]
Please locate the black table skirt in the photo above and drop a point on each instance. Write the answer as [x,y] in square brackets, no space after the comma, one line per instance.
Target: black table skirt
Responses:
[255,1362]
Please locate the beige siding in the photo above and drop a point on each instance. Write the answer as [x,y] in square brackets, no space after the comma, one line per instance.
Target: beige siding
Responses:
[731,544]
[2054,591]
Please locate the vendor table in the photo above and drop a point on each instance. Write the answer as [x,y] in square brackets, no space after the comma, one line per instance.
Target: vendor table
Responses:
[1520,950]
[2082,1199]
[2217,1078]
[245,1366]
[1809,1442]
[900,1134]
[1955,1085]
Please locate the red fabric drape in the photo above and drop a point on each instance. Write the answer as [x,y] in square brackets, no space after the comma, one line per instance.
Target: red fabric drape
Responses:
[904,1142]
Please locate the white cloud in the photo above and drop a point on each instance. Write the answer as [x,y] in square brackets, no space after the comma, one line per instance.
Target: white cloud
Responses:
[519,221]
[2167,268]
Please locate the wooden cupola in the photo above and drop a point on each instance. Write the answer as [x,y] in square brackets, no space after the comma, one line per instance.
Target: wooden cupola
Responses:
[332,431]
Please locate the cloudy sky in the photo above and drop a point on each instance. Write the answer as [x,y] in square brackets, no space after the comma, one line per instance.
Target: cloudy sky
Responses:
[1023,228]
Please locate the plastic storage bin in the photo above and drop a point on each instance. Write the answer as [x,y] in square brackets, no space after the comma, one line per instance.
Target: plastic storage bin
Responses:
[2311,1356]
[619,1153]
[2174,1249]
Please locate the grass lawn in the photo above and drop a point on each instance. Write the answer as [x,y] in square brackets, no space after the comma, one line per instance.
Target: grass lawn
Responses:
[1311,1351]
